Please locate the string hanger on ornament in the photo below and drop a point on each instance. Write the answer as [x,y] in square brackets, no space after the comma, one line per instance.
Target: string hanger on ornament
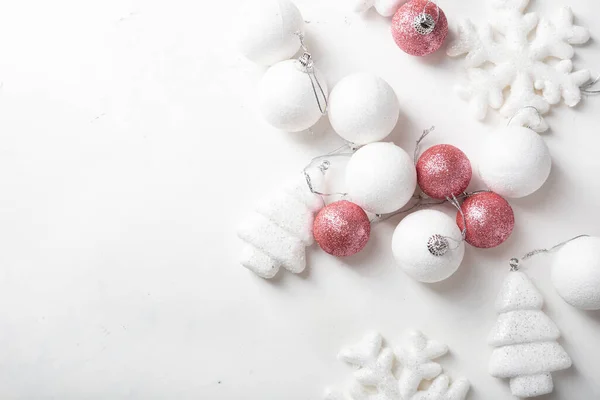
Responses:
[307,62]
[515,262]
[586,89]
[323,164]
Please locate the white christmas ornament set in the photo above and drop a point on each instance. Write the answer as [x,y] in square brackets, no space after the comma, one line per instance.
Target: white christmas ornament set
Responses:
[522,61]
[526,350]
[375,377]
[381,178]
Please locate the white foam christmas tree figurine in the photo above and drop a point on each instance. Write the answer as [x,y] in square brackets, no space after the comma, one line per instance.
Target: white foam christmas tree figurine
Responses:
[525,339]
[375,378]
[279,230]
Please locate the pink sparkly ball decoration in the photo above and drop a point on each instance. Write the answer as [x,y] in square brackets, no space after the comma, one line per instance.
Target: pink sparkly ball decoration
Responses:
[443,171]
[490,219]
[418,29]
[342,228]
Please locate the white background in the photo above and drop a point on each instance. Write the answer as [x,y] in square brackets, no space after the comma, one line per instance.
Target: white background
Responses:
[129,150]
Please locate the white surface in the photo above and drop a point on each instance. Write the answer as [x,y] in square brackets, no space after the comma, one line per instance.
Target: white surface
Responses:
[130,150]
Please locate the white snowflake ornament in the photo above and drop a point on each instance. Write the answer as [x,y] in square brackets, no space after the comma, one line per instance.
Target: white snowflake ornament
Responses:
[375,377]
[507,54]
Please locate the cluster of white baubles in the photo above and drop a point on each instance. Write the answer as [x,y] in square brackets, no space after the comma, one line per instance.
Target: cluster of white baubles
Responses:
[293,94]
[532,58]
[375,377]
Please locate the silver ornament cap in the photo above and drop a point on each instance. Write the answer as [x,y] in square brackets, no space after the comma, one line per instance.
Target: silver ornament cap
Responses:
[438,245]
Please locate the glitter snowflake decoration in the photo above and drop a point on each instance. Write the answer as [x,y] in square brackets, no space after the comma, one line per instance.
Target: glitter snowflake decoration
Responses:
[375,378]
[523,52]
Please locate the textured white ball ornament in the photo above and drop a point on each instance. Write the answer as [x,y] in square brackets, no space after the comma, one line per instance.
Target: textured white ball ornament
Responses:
[576,273]
[409,245]
[286,96]
[380,177]
[363,108]
[267,30]
[514,162]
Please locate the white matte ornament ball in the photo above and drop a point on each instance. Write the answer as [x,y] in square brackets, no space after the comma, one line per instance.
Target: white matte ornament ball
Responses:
[363,108]
[381,177]
[267,30]
[576,273]
[409,245]
[514,162]
[287,99]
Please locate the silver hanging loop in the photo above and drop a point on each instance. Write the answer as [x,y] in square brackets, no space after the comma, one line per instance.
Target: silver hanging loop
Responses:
[307,62]
[539,115]
[586,88]
[514,262]
[323,166]
[423,135]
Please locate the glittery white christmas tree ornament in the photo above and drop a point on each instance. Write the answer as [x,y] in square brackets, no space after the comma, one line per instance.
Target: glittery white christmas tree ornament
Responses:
[280,229]
[386,8]
[521,61]
[375,378]
[525,339]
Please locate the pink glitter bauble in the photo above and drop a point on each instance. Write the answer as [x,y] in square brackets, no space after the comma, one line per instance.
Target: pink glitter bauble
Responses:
[443,171]
[490,219]
[342,228]
[406,35]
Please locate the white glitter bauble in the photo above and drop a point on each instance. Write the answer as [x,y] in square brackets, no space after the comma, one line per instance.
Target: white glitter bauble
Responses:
[380,177]
[267,30]
[286,96]
[409,245]
[576,273]
[514,162]
[363,108]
